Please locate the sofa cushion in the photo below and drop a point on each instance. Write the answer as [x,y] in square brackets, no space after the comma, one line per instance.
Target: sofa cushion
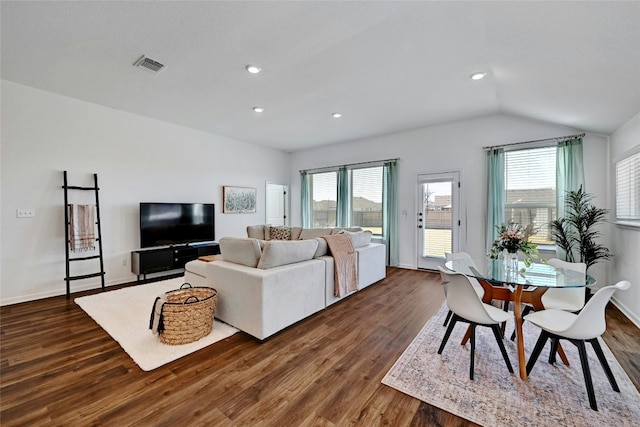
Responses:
[295,233]
[244,251]
[256,231]
[278,253]
[339,230]
[312,233]
[279,233]
[323,248]
[358,238]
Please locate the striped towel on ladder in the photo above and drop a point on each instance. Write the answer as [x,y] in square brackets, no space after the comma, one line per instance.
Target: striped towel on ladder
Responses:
[82,227]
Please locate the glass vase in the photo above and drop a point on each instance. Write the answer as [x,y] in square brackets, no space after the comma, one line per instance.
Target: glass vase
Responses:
[511,261]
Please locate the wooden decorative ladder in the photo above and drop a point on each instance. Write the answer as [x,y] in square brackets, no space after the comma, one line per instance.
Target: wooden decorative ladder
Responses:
[67,221]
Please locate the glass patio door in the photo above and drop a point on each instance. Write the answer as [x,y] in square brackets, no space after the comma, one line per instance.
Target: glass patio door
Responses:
[437,221]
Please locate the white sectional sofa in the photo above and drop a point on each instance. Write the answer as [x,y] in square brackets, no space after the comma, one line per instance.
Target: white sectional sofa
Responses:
[265,285]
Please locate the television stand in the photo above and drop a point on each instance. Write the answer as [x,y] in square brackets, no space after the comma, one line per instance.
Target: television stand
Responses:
[156,260]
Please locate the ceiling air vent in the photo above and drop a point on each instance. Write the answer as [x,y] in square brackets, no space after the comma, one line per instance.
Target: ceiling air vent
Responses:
[149,64]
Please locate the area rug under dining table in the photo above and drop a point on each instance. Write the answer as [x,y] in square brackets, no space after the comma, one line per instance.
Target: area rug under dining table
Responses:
[554,395]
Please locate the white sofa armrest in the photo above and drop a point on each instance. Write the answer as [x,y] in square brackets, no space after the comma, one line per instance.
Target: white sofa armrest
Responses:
[263,302]
[371,264]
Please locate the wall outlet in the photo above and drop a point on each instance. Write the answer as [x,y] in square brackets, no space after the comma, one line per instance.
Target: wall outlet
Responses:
[124,262]
[25,213]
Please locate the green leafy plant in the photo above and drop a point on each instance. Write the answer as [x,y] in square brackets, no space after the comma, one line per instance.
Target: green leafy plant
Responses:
[576,232]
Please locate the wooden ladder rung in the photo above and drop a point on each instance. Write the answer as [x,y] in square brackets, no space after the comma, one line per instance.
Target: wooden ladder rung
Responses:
[84,258]
[75,187]
[85,276]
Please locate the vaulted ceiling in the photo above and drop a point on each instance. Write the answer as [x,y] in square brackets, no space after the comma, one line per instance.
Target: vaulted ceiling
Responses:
[386,66]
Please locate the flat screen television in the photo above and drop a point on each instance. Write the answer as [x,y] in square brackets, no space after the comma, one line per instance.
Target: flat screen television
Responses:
[166,224]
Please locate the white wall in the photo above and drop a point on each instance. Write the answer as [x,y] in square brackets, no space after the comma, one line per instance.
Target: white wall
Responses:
[136,158]
[625,241]
[453,146]
[140,159]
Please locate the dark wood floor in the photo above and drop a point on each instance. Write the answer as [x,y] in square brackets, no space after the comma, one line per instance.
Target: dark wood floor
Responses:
[58,367]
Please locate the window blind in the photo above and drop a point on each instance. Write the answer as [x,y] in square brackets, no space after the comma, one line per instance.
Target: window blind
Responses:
[366,198]
[628,188]
[530,185]
[324,195]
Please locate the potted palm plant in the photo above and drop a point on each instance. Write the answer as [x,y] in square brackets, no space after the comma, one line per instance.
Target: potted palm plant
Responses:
[576,232]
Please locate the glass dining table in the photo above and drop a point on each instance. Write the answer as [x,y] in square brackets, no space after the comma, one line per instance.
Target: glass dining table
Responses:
[508,284]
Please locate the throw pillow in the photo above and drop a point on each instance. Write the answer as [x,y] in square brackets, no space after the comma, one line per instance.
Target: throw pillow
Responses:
[280,233]
[278,253]
[312,233]
[255,231]
[323,248]
[358,238]
[295,233]
[240,251]
[352,230]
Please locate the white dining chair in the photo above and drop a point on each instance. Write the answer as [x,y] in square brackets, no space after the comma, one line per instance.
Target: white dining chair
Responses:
[465,256]
[448,256]
[568,299]
[467,307]
[578,329]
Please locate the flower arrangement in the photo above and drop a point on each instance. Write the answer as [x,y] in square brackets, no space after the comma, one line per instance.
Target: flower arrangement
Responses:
[513,237]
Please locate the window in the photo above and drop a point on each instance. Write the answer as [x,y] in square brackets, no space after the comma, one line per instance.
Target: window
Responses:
[361,204]
[324,198]
[628,189]
[530,184]
[366,199]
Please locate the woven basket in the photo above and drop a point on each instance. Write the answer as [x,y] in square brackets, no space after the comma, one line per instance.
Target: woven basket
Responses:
[188,314]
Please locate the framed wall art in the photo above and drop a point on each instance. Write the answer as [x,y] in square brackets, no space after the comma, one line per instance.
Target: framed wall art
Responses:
[238,199]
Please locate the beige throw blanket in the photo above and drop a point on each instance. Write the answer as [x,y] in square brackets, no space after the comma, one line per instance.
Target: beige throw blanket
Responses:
[344,258]
[82,227]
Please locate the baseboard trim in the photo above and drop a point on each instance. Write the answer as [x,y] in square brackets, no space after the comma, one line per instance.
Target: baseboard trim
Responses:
[626,311]
[62,291]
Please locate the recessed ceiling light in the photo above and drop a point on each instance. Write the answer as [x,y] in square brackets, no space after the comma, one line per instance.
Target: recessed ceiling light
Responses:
[253,69]
[477,76]
[336,115]
[258,109]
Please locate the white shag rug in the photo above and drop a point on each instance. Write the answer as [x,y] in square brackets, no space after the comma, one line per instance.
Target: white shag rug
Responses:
[125,313]
[554,395]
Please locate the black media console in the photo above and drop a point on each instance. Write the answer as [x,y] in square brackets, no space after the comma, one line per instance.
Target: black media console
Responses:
[146,261]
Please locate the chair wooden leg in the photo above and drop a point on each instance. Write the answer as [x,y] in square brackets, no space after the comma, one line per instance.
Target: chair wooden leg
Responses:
[452,323]
[473,350]
[466,336]
[446,320]
[542,340]
[497,333]
[562,355]
[582,350]
[605,365]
